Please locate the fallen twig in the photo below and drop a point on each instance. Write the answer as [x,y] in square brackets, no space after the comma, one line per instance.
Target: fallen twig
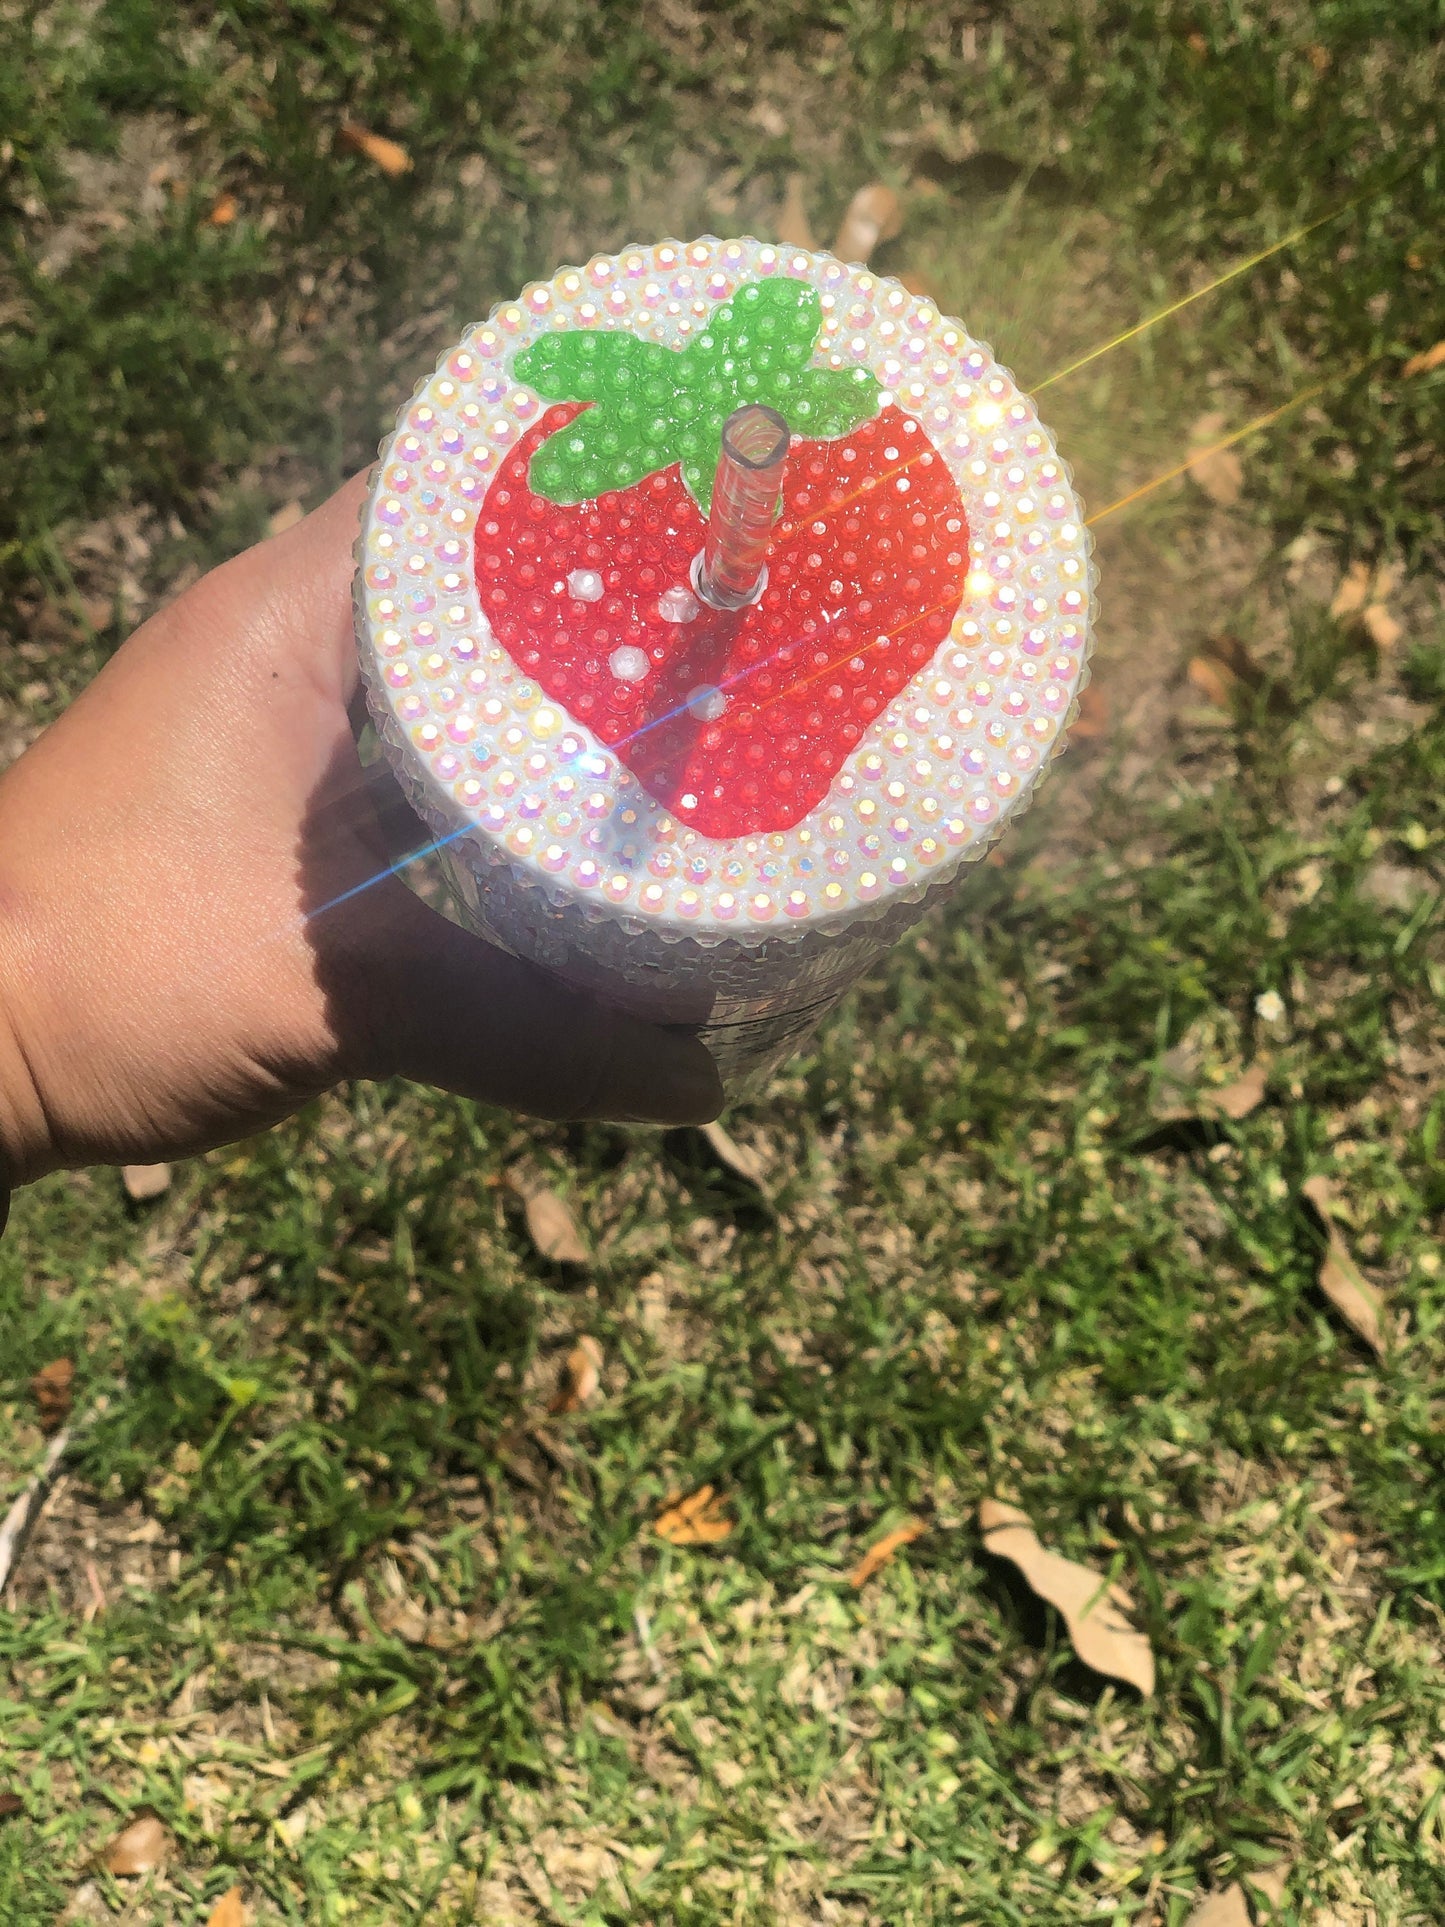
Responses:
[24,1515]
[97,1602]
[644,1639]
[21,1518]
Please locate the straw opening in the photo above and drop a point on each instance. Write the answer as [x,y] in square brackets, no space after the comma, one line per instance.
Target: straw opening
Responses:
[756,436]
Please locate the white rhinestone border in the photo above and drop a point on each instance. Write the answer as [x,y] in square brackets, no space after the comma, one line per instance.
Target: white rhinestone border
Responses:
[951,758]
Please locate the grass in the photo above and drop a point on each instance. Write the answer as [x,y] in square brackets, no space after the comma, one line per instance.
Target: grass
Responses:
[377,1647]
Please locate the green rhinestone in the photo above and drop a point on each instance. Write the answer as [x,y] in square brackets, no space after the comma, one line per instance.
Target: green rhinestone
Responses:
[652,406]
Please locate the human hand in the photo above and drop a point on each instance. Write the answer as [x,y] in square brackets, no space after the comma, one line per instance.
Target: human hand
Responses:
[164,983]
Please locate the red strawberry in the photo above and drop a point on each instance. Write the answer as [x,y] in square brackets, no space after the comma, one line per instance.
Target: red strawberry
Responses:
[738,722]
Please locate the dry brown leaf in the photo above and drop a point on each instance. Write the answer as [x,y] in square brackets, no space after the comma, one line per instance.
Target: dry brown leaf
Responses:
[1092,721]
[882,1550]
[1225,665]
[1102,1636]
[874,214]
[1362,597]
[97,1601]
[1269,1885]
[1353,592]
[229,1910]
[1172,1096]
[10,1803]
[224,210]
[285,517]
[1225,1909]
[1219,472]
[51,1389]
[550,1224]
[697,1520]
[1215,681]
[145,1181]
[1234,654]
[142,1846]
[1425,362]
[580,1377]
[1178,1094]
[1238,1099]
[553,1229]
[1380,626]
[740,1159]
[1318,56]
[1340,1278]
[387,155]
[793,228]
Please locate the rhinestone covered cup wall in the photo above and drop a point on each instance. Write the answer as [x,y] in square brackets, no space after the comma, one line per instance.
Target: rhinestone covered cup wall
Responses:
[710,817]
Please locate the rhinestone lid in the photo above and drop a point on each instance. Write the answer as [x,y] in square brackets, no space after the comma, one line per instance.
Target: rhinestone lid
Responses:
[557,696]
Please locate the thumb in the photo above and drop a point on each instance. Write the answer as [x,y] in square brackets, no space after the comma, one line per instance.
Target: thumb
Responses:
[447,1008]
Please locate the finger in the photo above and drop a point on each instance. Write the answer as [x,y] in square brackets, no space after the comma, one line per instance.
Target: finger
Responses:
[296,589]
[443,1007]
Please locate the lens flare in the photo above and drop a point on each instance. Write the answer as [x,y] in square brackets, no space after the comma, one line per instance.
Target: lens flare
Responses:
[1219,281]
[1228,441]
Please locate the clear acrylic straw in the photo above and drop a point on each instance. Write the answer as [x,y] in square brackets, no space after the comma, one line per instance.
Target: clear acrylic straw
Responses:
[731,569]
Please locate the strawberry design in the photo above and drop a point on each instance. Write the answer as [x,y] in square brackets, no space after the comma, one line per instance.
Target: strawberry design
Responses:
[737,721]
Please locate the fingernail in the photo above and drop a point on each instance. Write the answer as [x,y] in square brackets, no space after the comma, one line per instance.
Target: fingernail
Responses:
[681,1085]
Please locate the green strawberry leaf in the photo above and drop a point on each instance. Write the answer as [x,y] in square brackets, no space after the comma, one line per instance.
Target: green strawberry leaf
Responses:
[653,406]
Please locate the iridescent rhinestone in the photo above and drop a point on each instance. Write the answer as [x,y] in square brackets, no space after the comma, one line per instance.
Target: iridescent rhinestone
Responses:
[1019,639]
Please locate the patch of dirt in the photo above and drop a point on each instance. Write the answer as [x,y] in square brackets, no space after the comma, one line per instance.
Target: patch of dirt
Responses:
[85,1554]
[106,193]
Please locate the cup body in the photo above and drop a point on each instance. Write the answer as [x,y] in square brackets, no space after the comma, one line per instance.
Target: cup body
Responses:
[718,818]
